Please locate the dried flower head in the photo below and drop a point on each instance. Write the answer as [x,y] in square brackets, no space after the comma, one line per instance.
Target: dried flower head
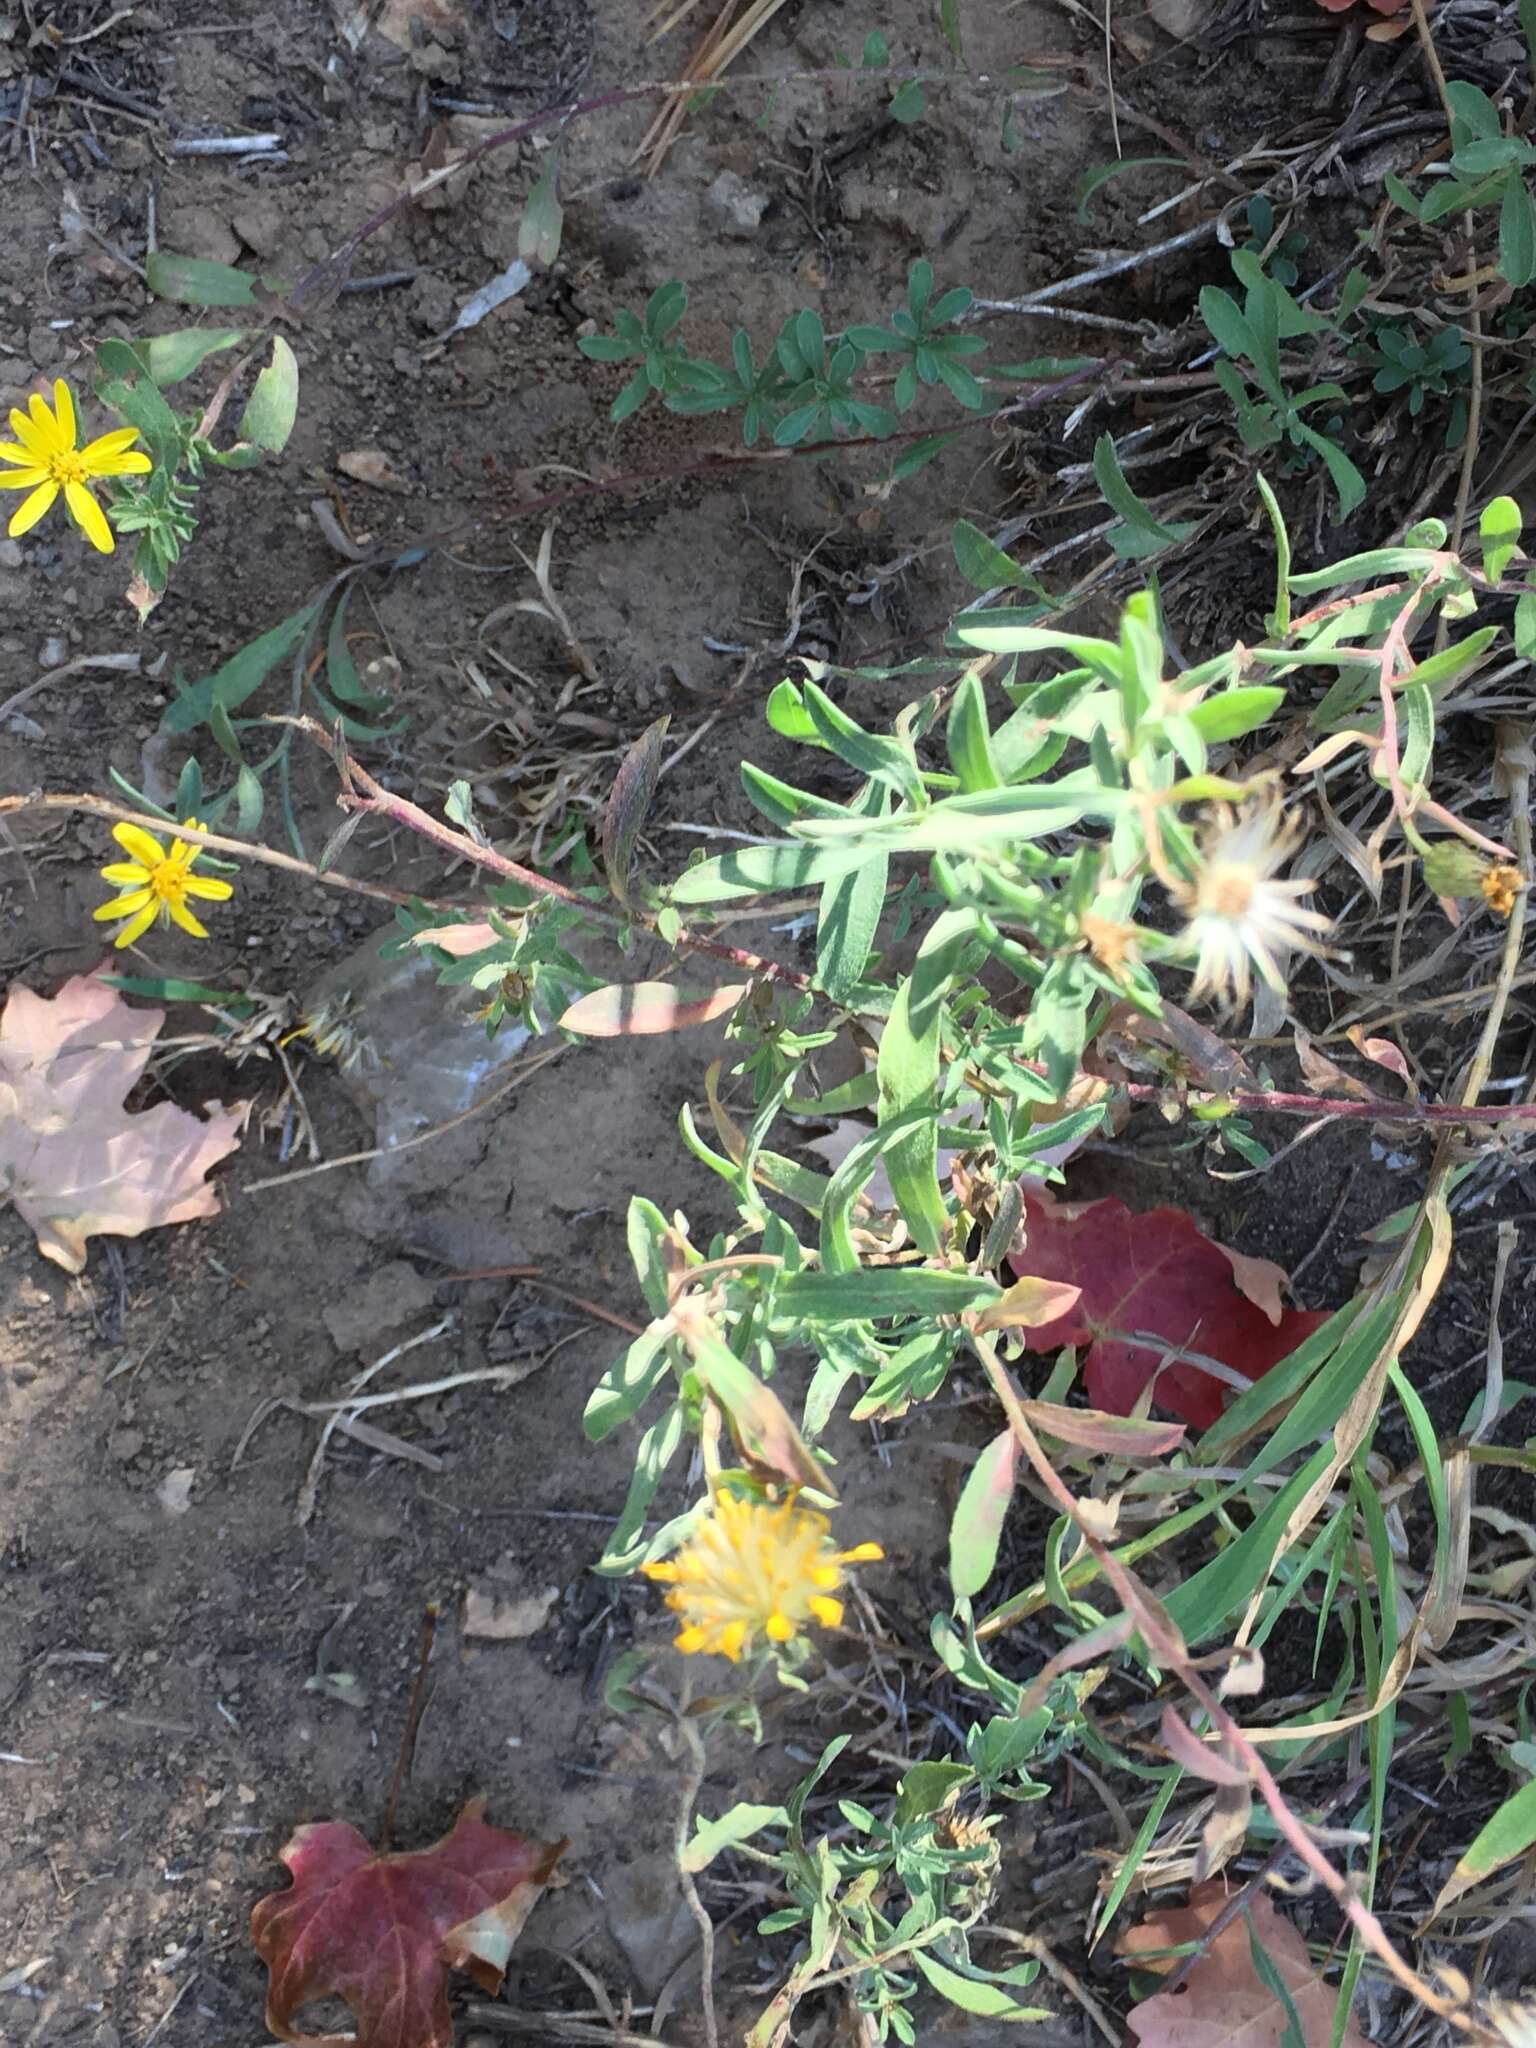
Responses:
[751,1572]
[1241,913]
[1500,886]
[1116,947]
[156,883]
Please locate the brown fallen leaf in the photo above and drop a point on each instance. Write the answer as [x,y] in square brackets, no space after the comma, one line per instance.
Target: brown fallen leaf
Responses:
[373,467]
[73,1160]
[494,1617]
[382,1931]
[1154,1275]
[1224,2002]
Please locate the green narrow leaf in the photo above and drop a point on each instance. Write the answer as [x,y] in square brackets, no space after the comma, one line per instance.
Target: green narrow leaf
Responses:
[949,22]
[240,677]
[626,1386]
[1510,1833]
[977,1525]
[1119,496]
[1235,712]
[968,736]
[248,800]
[872,1292]
[1099,175]
[1517,231]
[170,357]
[1292,2036]
[657,1448]
[764,870]
[192,282]
[971,1995]
[1279,620]
[1499,530]
[907,1069]
[849,913]
[872,754]
[711,1837]
[980,561]
[273,405]
[538,232]
[1221,314]
[1347,480]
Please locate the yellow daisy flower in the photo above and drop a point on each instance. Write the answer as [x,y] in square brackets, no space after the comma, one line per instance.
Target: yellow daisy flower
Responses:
[156,882]
[751,1571]
[47,462]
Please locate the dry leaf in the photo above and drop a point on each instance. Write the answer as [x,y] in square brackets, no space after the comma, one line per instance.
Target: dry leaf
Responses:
[174,1492]
[1155,1276]
[382,1932]
[373,467]
[72,1159]
[1224,2003]
[492,1617]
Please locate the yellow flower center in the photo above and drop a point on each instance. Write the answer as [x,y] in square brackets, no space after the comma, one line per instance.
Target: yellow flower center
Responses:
[1227,892]
[752,1572]
[65,466]
[168,877]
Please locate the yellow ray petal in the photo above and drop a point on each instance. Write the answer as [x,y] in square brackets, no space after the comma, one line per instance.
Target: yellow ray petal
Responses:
[64,412]
[209,888]
[89,517]
[13,451]
[44,425]
[132,463]
[30,510]
[23,479]
[131,873]
[182,916]
[108,444]
[135,840]
[25,430]
[124,906]
[138,926]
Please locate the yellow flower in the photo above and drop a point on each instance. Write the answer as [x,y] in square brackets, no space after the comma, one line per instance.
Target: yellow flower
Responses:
[48,462]
[156,883]
[751,1571]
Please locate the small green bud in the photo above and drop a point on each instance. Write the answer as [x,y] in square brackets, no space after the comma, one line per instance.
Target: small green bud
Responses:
[1452,868]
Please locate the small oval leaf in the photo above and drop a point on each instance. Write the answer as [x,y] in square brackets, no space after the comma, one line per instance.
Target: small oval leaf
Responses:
[645,1009]
[979,1515]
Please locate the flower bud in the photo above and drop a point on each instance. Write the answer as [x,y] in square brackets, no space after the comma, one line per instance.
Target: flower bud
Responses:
[1452,868]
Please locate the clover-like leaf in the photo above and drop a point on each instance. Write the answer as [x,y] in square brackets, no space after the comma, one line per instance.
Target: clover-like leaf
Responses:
[381,1932]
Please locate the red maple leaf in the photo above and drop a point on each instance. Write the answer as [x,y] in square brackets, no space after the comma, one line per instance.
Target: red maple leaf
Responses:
[382,1932]
[1156,1275]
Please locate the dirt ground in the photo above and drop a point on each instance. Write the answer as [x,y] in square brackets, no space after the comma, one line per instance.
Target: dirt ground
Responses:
[170,1706]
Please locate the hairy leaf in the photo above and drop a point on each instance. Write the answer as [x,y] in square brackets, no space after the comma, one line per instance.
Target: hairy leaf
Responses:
[72,1159]
[382,1932]
[1156,1277]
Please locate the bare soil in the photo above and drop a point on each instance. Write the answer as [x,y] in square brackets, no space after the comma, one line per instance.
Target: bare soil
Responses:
[169,1700]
